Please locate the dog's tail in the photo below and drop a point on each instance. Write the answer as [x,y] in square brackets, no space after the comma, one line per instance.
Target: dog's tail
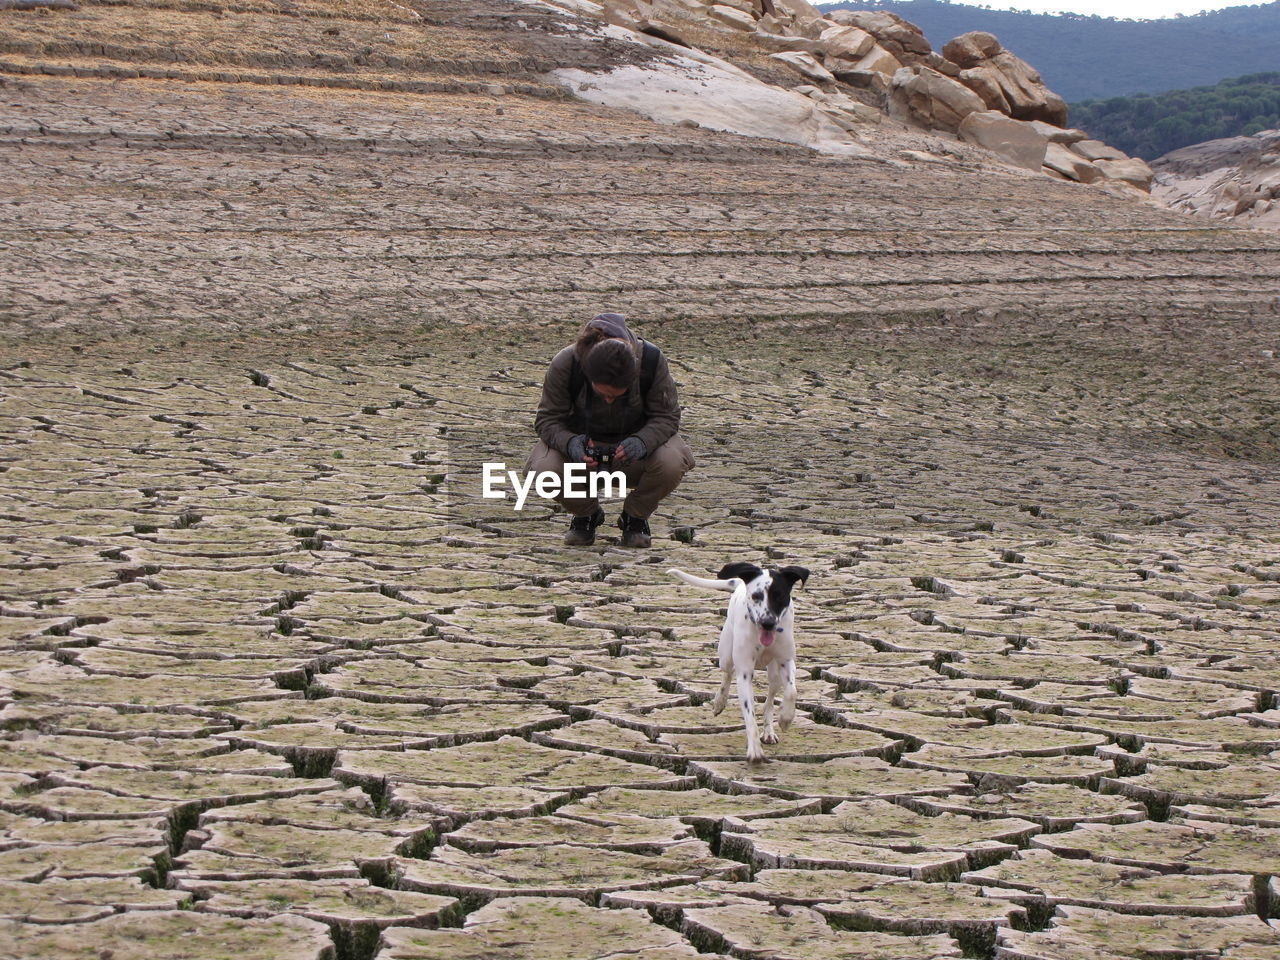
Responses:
[728,586]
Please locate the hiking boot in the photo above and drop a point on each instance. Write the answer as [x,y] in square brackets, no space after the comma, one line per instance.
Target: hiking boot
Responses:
[635,531]
[582,530]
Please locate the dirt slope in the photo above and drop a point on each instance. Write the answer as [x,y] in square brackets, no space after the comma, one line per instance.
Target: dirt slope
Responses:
[260,204]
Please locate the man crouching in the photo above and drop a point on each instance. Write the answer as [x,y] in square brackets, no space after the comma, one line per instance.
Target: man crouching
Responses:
[608,401]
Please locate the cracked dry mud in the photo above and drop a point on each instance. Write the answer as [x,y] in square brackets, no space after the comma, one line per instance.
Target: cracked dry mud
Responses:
[280,684]
[276,683]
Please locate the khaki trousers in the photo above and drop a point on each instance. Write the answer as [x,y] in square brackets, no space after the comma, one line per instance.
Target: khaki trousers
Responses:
[648,480]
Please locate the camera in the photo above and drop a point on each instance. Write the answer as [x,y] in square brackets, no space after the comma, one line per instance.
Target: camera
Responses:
[602,454]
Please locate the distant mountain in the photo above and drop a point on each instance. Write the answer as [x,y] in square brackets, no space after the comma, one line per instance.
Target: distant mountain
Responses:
[1149,126]
[1089,58]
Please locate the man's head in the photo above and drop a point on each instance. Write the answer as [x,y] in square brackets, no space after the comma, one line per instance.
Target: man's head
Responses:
[610,367]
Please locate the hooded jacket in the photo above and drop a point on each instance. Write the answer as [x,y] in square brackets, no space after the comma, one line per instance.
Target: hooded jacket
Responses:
[653,417]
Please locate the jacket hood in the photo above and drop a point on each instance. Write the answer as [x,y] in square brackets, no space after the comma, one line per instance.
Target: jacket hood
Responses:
[609,324]
[613,324]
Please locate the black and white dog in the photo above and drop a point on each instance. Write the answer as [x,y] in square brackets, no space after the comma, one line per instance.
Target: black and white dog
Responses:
[757,633]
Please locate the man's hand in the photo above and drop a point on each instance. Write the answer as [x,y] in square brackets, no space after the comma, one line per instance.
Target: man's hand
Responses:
[630,450]
[576,450]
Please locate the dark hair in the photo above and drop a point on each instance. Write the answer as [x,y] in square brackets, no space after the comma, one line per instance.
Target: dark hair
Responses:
[610,361]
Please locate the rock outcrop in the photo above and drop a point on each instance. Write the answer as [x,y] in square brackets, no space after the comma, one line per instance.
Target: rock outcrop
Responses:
[1235,179]
[1010,88]
[855,66]
[1003,81]
[903,40]
[734,66]
[927,97]
[1065,162]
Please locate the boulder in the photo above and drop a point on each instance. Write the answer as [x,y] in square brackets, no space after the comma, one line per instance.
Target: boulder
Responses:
[848,43]
[923,96]
[986,84]
[879,60]
[1003,81]
[1058,134]
[943,66]
[733,17]
[771,24]
[873,80]
[773,41]
[1130,170]
[862,112]
[898,36]
[970,49]
[812,29]
[801,10]
[805,65]
[663,31]
[1016,141]
[1070,165]
[1020,87]
[1097,150]
[874,72]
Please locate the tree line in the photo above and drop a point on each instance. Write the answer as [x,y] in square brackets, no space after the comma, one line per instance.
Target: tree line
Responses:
[1150,125]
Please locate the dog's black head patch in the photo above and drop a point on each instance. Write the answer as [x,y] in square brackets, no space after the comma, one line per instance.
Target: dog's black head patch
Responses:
[793,574]
[746,572]
[768,591]
[781,583]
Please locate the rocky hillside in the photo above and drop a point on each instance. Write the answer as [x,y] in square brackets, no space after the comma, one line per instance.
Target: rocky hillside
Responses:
[1236,179]
[771,69]
[972,89]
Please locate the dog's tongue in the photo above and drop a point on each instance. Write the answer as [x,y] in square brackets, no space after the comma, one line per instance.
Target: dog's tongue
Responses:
[766,637]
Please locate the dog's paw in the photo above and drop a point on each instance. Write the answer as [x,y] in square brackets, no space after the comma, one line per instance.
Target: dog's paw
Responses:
[769,737]
[717,706]
[786,716]
[756,756]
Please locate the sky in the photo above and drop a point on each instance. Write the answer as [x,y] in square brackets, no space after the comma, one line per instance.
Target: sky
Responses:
[1123,9]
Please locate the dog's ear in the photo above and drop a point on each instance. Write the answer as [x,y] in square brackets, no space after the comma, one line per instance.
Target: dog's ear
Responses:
[746,572]
[794,574]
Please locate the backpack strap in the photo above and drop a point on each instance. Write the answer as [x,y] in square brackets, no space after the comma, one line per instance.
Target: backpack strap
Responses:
[648,366]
